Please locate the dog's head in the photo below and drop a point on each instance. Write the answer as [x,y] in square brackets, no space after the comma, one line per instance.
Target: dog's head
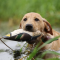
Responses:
[33,22]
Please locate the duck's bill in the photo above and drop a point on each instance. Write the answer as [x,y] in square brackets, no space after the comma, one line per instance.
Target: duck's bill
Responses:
[7,36]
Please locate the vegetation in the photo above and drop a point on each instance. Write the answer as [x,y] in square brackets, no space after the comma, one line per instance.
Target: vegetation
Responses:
[43,54]
[15,9]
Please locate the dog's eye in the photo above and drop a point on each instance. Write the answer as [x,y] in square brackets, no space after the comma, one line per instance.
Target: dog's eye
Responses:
[36,19]
[25,19]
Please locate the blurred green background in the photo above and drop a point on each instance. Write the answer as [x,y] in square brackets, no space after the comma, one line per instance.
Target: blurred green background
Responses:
[12,11]
[15,9]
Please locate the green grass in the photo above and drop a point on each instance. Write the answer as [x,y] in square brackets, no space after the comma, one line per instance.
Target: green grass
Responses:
[43,54]
[6,28]
[15,9]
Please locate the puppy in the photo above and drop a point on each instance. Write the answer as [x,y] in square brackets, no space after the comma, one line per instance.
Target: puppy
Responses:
[33,22]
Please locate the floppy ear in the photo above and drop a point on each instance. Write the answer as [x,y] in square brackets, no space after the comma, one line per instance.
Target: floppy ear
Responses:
[47,27]
[20,25]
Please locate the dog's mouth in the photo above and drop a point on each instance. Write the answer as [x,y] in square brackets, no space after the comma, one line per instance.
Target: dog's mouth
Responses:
[29,30]
[33,40]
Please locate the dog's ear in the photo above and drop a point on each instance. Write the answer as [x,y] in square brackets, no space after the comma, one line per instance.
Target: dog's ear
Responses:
[20,26]
[47,27]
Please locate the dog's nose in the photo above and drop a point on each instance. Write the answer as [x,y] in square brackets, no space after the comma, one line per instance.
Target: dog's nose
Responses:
[29,27]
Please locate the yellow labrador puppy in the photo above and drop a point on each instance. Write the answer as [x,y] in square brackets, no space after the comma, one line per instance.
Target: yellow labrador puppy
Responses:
[33,22]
